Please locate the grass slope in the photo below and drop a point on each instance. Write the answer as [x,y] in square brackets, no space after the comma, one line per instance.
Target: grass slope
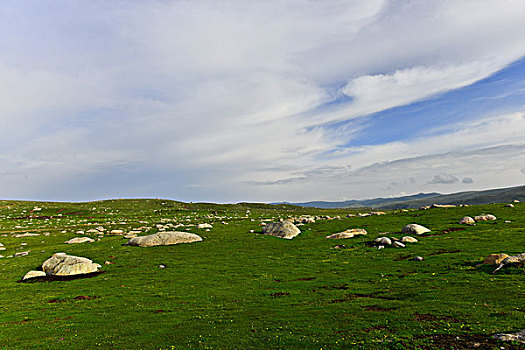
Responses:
[242,290]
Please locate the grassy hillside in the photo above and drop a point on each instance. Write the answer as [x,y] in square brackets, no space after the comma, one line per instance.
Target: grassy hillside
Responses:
[242,290]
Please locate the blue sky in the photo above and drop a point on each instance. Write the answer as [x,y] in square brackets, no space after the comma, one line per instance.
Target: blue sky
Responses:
[260,101]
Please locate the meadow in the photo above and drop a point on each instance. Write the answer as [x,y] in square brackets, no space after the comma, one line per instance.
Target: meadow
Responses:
[239,289]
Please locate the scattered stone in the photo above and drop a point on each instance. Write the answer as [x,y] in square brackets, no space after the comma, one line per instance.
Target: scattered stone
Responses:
[515,201]
[409,239]
[78,240]
[161,266]
[27,234]
[442,206]
[204,226]
[383,240]
[467,220]
[514,259]
[507,221]
[61,264]
[339,246]
[350,233]
[398,244]
[417,258]
[494,259]
[377,213]
[485,217]
[130,235]
[415,229]
[33,274]
[107,262]
[21,254]
[164,238]
[116,232]
[510,205]
[513,337]
[284,229]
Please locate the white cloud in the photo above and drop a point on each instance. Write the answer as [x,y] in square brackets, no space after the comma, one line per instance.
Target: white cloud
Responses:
[218,96]
[443,179]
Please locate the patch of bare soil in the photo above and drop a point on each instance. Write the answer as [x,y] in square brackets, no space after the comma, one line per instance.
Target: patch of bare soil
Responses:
[378,308]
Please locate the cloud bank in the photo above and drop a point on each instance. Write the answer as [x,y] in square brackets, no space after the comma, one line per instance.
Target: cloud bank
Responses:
[251,100]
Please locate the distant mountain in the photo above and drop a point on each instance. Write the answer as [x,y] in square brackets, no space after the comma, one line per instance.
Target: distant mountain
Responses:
[501,195]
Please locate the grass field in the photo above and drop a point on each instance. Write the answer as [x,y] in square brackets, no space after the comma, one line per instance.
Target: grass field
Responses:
[243,290]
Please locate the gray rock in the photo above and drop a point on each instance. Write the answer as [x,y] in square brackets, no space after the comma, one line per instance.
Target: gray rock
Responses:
[398,244]
[415,229]
[409,239]
[61,264]
[78,240]
[348,233]
[33,274]
[485,217]
[467,220]
[514,337]
[417,258]
[383,240]
[164,238]
[284,229]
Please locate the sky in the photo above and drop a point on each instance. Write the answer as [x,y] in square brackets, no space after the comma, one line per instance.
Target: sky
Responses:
[260,101]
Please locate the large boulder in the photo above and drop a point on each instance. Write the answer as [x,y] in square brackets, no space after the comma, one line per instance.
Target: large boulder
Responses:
[164,238]
[61,264]
[467,220]
[283,229]
[348,233]
[415,229]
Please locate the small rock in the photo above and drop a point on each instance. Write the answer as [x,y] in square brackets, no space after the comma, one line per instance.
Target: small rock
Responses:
[510,205]
[513,337]
[161,266]
[107,262]
[26,235]
[383,240]
[204,226]
[415,229]
[409,239]
[21,254]
[398,244]
[495,258]
[417,258]
[467,220]
[117,232]
[515,201]
[33,274]
[347,234]
[78,240]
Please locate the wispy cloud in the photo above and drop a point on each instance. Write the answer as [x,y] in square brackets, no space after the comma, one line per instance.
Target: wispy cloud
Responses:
[246,100]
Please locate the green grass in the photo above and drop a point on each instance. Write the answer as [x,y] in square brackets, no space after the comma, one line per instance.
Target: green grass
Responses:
[241,290]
